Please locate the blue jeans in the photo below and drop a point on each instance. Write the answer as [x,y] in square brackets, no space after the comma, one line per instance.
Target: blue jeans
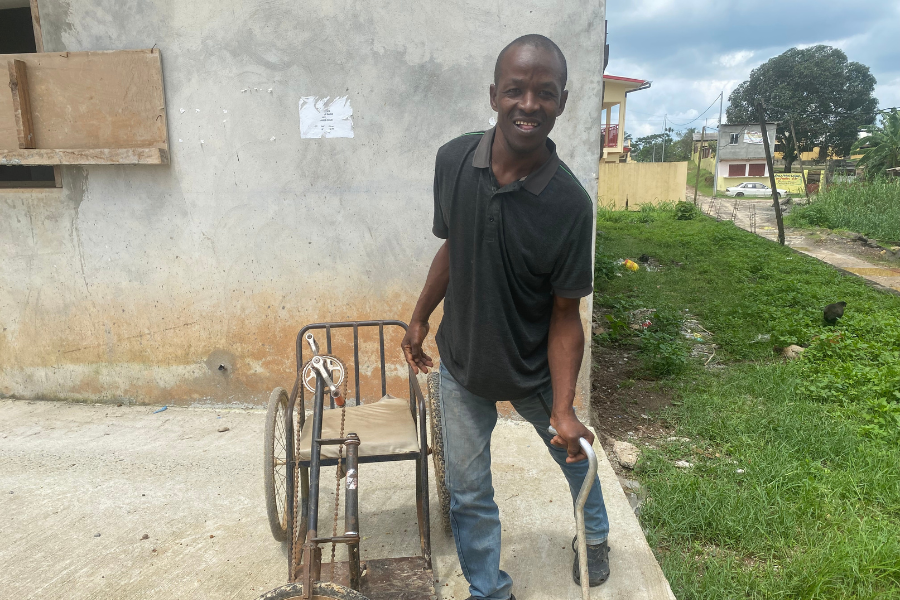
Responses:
[467,421]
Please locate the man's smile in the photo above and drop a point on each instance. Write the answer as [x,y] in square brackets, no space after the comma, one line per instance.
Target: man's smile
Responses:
[527,124]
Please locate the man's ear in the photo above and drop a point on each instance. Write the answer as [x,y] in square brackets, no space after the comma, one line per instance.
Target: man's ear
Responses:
[493,97]
[562,102]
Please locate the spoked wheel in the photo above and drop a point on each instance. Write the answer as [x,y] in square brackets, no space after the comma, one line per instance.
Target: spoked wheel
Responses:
[437,447]
[321,591]
[275,464]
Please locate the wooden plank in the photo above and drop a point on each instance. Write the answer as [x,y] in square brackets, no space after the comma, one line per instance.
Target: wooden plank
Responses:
[86,156]
[18,85]
[36,25]
[91,100]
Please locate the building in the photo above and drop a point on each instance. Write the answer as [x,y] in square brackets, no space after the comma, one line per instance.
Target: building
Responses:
[615,93]
[741,154]
[278,171]
[709,150]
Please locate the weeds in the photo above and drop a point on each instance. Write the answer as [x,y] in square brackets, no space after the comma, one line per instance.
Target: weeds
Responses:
[872,209]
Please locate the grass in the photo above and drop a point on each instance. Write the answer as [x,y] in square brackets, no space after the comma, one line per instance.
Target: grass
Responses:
[706,179]
[872,209]
[795,489]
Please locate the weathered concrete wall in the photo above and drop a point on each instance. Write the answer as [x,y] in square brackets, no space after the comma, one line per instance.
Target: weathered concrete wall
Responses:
[641,183]
[136,283]
[729,151]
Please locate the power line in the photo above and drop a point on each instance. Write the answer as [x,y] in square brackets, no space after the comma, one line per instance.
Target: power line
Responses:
[698,116]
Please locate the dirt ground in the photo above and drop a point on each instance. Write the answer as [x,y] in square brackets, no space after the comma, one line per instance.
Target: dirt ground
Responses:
[624,406]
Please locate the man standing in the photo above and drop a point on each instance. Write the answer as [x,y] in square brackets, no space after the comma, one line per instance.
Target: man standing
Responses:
[514,265]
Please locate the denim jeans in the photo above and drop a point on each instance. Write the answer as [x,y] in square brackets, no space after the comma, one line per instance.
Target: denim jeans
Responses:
[467,421]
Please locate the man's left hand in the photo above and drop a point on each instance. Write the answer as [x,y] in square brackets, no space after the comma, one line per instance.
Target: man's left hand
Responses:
[568,430]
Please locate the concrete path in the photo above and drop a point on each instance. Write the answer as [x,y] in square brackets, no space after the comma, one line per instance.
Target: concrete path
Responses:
[758,216]
[71,471]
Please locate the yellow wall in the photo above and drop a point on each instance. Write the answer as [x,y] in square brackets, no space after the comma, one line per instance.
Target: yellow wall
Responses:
[640,183]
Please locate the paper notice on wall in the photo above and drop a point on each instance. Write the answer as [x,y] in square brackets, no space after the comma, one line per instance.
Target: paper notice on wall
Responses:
[325,117]
[753,137]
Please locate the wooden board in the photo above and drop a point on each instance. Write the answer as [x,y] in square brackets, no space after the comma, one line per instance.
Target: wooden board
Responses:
[90,100]
[18,85]
[90,156]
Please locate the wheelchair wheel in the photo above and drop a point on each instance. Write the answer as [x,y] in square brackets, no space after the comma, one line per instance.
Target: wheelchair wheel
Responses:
[437,447]
[321,591]
[275,464]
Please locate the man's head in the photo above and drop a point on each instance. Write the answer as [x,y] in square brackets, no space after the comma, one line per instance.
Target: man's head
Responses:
[529,92]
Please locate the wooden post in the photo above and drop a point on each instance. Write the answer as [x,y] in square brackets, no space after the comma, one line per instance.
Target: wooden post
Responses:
[770,166]
[699,153]
[799,158]
[18,85]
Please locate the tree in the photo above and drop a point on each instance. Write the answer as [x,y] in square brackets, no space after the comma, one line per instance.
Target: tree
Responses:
[649,147]
[881,148]
[828,98]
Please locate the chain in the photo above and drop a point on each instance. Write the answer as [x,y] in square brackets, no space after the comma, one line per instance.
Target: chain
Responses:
[337,481]
[295,546]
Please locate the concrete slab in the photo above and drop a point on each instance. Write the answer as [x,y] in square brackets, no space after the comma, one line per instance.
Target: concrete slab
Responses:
[71,471]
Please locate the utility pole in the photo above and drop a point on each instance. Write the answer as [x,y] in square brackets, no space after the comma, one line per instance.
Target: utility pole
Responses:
[664,139]
[718,143]
[699,154]
[654,154]
[770,166]
[799,158]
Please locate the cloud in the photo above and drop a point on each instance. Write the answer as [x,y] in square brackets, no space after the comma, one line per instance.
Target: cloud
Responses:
[693,51]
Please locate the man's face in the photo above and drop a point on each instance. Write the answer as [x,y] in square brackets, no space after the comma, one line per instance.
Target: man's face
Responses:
[528,97]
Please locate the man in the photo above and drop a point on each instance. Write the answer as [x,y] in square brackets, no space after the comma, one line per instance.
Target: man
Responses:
[515,263]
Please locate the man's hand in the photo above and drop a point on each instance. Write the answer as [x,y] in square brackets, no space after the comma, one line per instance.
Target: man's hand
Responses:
[412,347]
[568,430]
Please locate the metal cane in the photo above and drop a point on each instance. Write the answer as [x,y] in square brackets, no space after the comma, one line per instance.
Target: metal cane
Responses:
[579,514]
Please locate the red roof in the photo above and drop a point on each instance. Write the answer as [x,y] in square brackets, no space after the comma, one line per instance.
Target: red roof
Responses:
[629,79]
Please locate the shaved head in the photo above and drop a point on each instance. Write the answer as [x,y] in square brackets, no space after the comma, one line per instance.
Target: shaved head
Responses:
[536,41]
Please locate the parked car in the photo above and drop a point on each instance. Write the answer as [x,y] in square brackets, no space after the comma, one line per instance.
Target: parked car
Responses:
[753,189]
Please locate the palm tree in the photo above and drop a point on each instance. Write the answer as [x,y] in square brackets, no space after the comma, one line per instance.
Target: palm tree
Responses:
[881,148]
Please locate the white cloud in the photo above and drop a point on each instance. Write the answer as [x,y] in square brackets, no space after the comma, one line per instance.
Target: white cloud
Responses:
[733,59]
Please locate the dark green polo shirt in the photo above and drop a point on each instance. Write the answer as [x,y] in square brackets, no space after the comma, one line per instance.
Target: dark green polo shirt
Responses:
[511,250]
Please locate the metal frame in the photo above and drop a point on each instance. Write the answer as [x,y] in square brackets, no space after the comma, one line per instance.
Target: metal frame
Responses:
[307,472]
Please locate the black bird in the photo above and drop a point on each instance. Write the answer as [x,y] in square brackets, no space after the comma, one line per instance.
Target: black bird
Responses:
[833,312]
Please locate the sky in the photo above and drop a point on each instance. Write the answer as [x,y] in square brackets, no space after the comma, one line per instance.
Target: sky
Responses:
[693,49]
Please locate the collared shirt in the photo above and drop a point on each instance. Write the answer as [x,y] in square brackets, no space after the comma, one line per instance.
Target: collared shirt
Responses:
[511,250]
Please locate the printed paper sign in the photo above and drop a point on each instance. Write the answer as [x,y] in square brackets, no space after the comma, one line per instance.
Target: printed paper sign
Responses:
[753,137]
[325,117]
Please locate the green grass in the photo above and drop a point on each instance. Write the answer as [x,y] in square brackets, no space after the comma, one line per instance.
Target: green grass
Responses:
[815,510]
[706,179]
[872,209]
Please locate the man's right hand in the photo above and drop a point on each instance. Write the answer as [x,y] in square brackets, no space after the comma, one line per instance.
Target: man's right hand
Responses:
[412,347]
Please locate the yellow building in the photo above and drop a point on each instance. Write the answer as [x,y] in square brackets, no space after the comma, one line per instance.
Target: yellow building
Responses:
[615,92]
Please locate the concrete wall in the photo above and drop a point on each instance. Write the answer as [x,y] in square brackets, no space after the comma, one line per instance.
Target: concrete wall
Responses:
[742,149]
[138,282]
[641,183]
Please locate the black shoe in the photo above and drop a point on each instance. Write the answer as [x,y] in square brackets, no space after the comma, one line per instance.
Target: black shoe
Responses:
[598,563]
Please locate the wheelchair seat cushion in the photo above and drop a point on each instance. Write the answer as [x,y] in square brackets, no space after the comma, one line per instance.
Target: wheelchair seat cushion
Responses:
[384,427]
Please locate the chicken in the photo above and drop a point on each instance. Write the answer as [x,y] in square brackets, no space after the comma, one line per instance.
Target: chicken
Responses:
[833,312]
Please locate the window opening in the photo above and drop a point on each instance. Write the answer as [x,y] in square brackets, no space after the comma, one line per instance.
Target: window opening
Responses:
[757,170]
[737,170]
[17,37]
[734,139]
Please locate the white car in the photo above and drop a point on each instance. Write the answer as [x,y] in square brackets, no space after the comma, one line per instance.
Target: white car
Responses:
[753,189]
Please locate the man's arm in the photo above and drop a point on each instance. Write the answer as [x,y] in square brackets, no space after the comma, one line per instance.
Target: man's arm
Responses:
[565,349]
[434,291]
